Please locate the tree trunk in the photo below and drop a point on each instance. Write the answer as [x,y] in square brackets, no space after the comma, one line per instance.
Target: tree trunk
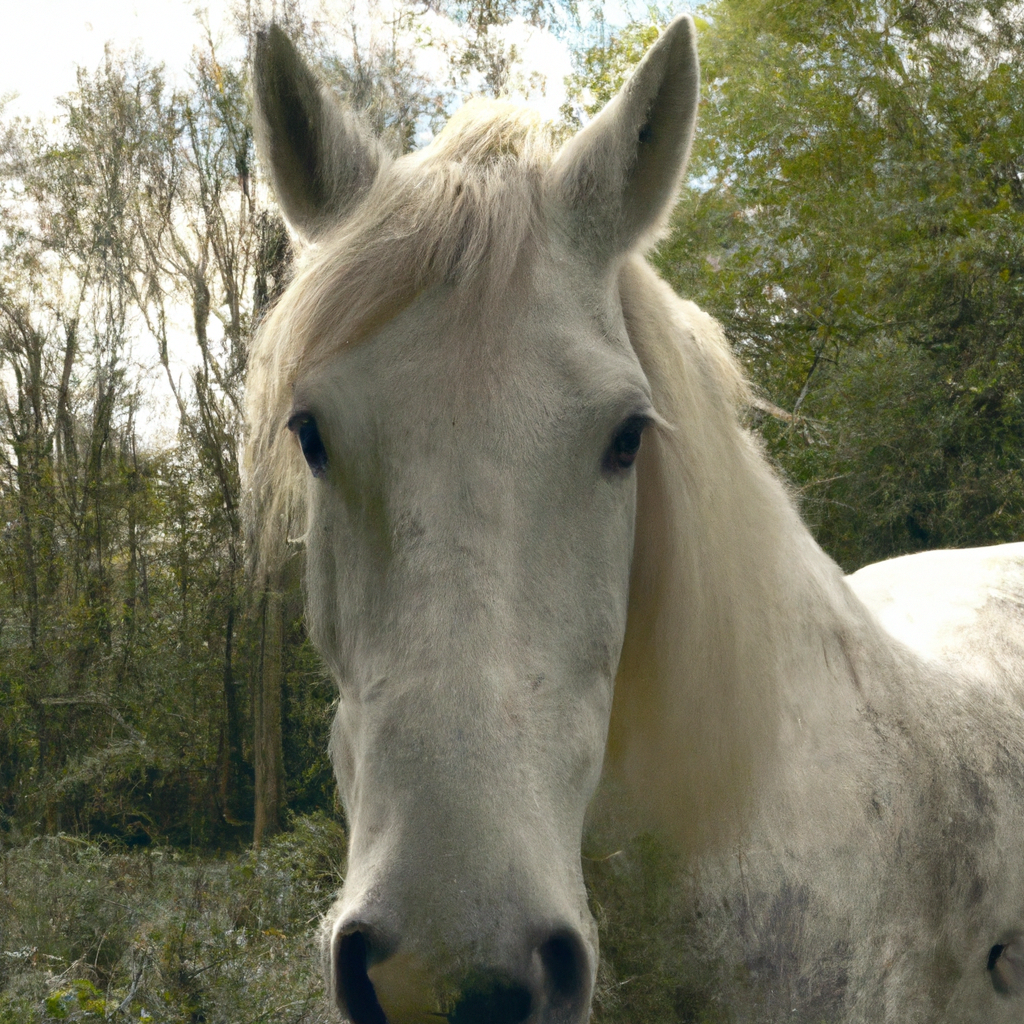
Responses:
[269,755]
[232,767]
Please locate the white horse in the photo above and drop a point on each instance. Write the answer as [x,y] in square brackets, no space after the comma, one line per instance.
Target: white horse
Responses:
[503,585]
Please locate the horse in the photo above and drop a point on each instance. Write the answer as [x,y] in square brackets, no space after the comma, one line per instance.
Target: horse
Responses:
[538,537]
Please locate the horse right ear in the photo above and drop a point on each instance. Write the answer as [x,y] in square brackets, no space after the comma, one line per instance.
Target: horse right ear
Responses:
[616,181]
[321,160]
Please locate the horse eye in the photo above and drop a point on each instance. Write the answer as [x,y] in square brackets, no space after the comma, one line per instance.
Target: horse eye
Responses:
[304,426]
[622,452]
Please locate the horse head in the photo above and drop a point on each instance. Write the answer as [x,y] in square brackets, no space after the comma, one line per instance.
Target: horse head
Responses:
[453,362]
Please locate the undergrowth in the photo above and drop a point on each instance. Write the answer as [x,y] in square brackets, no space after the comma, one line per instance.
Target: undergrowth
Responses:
[90,932]
[650,972]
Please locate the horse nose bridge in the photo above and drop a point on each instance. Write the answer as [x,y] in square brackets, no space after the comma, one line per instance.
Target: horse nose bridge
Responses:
[446,776]
[458,734]
[461,881]
[484,834]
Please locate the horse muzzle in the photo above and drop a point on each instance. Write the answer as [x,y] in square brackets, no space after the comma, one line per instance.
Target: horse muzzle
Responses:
[545,978]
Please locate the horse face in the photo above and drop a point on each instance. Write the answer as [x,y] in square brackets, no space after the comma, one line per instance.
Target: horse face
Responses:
[467,576]
[471,504]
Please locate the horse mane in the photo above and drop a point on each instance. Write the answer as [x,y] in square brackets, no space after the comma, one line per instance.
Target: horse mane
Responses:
[696,717]
[694,721]
[460,212]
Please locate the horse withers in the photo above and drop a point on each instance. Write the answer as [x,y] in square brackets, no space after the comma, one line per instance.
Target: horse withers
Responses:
[535,529]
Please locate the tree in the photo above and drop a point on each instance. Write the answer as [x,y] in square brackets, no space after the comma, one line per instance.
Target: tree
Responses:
[856,221]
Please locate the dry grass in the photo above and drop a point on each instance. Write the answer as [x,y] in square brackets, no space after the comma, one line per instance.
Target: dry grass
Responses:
[96,933]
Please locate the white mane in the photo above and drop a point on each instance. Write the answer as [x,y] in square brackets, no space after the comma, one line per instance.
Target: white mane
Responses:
[718,542]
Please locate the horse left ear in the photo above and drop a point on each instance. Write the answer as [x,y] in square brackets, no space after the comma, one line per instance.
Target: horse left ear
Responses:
[320,158]
[617,179]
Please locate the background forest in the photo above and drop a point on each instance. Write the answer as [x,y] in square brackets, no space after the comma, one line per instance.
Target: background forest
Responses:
[854,216]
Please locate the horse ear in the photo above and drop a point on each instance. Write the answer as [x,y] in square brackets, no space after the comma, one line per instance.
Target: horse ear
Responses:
[320,158]
[618,177]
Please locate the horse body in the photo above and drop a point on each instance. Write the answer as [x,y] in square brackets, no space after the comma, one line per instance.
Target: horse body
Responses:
[469,356]
[881,879]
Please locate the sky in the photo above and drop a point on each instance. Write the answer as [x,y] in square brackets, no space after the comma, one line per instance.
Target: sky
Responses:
[44,40]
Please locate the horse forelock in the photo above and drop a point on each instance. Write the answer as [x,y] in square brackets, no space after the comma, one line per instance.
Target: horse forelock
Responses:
[460,212]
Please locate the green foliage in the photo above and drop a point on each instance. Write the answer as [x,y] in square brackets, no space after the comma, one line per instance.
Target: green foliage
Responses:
[856,222]
[81,1000]
[309,702]
[129,646]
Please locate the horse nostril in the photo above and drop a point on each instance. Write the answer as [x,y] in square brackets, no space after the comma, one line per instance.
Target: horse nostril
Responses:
[560,980]
[566,970]
[374,983]
[353,989]
[495,1002]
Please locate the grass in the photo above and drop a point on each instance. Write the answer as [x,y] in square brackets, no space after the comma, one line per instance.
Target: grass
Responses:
[91,933]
